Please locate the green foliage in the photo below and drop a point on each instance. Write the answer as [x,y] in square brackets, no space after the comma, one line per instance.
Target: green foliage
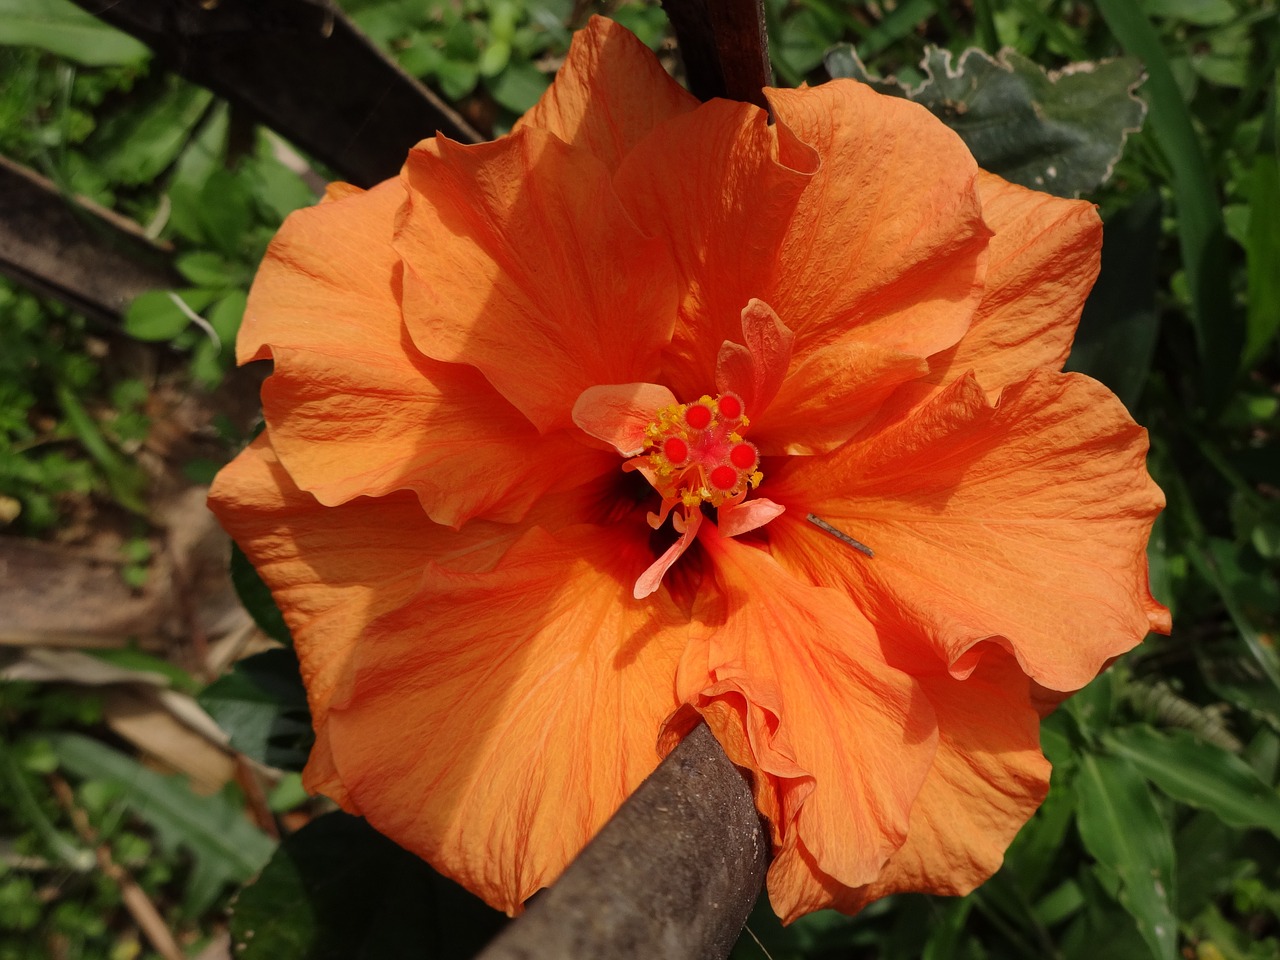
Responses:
[263,706]
[54,901]
[61,27]
[52,445]
[1061,133]
[224,847]
[337,889]
[1159,834]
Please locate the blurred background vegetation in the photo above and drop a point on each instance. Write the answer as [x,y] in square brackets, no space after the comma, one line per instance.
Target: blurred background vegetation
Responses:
[143,779]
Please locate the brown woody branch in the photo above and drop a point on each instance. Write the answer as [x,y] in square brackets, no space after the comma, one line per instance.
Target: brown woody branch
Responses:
[724,47]
[303,68]
[674,874]
[73,250]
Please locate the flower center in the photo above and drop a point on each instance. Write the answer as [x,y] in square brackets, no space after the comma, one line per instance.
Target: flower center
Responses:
[696,453]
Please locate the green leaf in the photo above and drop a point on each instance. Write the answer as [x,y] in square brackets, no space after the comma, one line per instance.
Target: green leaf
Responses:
[494,59]
[155,315]
[1205,13]
[257,599]
[1199,774]
[226,848]
[1116,339]
[1060,132]
[262,704]
[62,28]
[226,210]
[225,317]
[1219,328]
[1216,561]
[137,145]
[206,269]
[457,78]
[519,86]
[1262,248]
[1122,829]
[337,889]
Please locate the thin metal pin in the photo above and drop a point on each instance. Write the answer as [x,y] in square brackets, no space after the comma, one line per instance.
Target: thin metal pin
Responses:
[840,535]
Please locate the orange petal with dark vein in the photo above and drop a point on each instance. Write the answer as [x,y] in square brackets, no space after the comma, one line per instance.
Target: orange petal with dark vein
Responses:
[830,395]
[609,93]
[496,720]
[520,260]
[987,779]
[1024,523]
[333,570]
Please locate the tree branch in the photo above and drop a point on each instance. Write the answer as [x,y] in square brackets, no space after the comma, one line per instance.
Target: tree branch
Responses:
[674,874]
[74,251]
[724,46]
[303,68]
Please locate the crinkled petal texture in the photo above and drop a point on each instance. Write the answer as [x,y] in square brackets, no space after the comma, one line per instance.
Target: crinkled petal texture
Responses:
[793,683]
[1022,522]
[487,697]
[465,355]
[538,689]
[354,409]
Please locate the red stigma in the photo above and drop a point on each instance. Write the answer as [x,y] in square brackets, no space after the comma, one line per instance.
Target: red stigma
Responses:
[698,416]
[697,454]
[723,477]
[730,407]
[675,450]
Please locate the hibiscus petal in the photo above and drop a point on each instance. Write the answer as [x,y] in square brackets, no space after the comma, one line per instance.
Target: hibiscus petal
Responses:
[735,519]
[1024,523]
[332,570]
[354,410]
[986,781]
[719,186]
[840,742]
[608,94]
[830,395]
[1041,265]
[887,243]
[497,720]
[519,260]
[620,413]
[756,368]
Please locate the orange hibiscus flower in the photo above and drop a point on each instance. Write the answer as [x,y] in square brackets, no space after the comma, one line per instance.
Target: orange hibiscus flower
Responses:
[655,410]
